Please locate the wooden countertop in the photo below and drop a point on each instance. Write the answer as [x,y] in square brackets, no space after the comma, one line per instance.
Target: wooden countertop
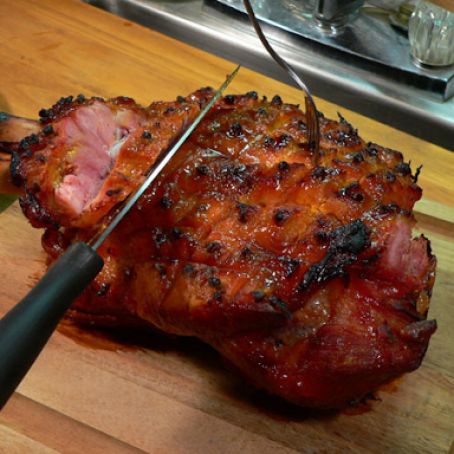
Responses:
[93,394]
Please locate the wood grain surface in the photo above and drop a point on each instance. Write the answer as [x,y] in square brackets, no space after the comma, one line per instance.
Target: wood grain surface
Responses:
[446,4]
[93,393]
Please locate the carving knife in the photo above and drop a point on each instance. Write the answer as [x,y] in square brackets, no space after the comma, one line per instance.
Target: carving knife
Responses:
[25,329]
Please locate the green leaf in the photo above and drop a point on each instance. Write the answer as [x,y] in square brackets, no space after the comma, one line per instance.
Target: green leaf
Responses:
[6,200]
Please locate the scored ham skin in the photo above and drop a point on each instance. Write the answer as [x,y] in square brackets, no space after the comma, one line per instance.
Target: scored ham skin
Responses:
[304,276]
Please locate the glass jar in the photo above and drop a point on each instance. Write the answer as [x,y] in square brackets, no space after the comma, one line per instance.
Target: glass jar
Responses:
[431,34]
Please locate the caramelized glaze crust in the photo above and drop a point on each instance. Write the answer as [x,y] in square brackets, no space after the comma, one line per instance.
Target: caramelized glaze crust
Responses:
[304,276]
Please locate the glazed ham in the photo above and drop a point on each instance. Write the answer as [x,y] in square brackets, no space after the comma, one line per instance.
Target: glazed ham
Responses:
[303,275]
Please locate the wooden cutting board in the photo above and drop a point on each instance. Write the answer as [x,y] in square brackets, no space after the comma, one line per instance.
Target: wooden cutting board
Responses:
[92,393]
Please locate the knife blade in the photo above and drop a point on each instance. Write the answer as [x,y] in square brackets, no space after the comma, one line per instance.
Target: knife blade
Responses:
[26,328]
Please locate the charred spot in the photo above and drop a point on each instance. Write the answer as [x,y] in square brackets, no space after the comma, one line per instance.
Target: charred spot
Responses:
[258,295]
[67,100]
[23,145]
[322,173]
[214,282]
[261,111]
[277,100]
[124,100]
[213,247]
[202,170]
[429,254]
[403,169]
[166,202]
[112,192]
[14,169]
[283,166]
[343,138]
[276,144]
[390,208]
[229,99]
[269,142]
[246,252]
[283,140]
[103,289]
[417,173]
[372,149]
[322,237]
[181,99]
[280,305]
[390,177]
[32,139]
[44,113]
[159,237]
[235,130]
[319,173]
[346,243]
[176,233]
[302,125]
[48,130]
[291,265]
[281,215]
[342,120]
[147,135]
[357,158]
[352,191]
[206,90]
[419,331]
[217,295]
[80,98]
[245,211]
[239,169]
[188,268]
[169,110]
[161,269]
[351,238]
[252,95]
[41,158]
[241,173]
[322,221]
[371,259]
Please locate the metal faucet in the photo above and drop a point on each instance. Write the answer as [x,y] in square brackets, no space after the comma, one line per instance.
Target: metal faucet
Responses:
[331,15]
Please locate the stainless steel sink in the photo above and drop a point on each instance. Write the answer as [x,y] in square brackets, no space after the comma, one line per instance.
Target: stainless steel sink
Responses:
[227,33]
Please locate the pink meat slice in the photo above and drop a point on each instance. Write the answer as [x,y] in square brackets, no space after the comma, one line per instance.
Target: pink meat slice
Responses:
[94,136]
[404,258]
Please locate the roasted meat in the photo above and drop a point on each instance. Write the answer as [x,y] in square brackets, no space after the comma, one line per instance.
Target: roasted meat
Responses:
[303,275]
[90,154]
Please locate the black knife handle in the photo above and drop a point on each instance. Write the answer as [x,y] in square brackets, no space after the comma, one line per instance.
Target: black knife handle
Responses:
[26,328]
